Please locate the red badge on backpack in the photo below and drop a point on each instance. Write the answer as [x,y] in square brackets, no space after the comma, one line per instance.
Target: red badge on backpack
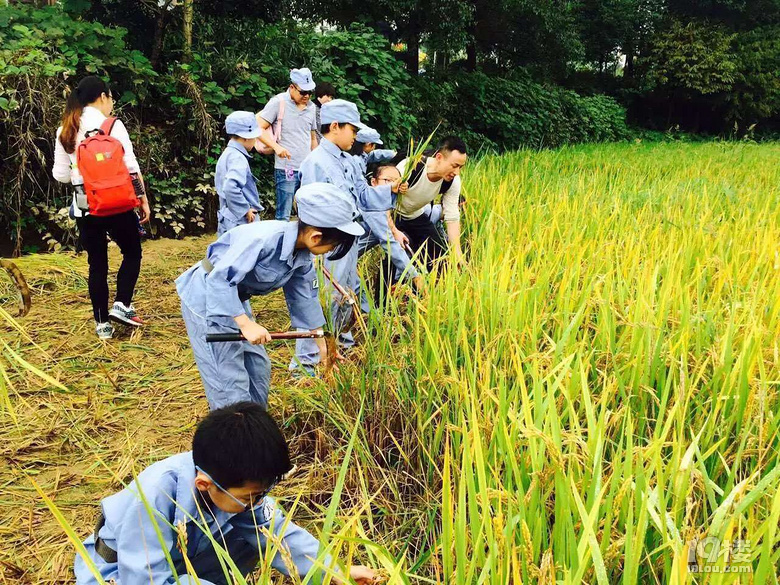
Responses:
[107,182]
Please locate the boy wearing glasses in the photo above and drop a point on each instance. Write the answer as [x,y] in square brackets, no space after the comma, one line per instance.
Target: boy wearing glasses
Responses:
[220,489]
[297,139]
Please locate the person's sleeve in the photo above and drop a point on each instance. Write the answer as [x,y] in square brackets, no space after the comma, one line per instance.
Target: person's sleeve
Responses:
[378,156]
[312,172]
[377,223]
[379,198]
[314,127]
[401,166]
[449,202]
[303,302]
[120,133]
[271,111]
[140,555]
[61,168]
[241,257]
[233,185]
[300,546]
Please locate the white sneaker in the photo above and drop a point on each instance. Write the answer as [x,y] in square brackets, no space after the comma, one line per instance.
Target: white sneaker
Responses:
[104,330]
[124,315]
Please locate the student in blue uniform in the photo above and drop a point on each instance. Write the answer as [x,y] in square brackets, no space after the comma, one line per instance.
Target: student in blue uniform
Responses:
[365,149]
[381,231]
[331,163]
[239,202]
[219,488]
[256,259]
[380,228]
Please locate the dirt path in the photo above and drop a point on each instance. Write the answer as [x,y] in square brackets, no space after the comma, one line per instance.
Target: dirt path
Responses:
[131,401]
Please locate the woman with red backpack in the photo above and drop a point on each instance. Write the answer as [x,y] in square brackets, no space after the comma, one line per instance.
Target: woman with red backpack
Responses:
[94,154]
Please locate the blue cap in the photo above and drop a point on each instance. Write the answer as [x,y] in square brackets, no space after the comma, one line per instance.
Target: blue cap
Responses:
[324,205]
[303,79]
[369,136]
[243,124]
[340,111]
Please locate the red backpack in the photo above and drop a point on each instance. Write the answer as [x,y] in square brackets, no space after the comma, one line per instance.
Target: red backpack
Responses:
[107,182]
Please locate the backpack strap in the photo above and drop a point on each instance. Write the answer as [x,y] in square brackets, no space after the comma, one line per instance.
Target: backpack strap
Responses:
[107,126]
[417,175]
[279,119]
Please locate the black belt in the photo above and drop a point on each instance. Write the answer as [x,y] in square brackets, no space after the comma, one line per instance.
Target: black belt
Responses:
[107,553]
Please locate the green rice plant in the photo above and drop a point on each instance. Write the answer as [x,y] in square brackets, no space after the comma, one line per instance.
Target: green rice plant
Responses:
[592,397]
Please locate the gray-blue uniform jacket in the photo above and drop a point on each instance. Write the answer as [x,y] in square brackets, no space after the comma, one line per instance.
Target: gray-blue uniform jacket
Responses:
[235,186]
[375,156]
[378,231]
[169,488]
[253,259]
[329,164]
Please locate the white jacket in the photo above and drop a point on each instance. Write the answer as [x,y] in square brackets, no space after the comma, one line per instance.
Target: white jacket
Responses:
[65,169]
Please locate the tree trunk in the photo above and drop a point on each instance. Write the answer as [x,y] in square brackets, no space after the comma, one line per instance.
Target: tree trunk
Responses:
[159,32]
[412,56]
[188,17]
[629,69]
[471,55]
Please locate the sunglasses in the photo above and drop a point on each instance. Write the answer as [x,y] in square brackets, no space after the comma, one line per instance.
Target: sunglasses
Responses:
[254,500]
[303,91]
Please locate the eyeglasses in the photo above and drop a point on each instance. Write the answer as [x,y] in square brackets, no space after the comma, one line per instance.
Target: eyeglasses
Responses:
[384,180]
[253,500]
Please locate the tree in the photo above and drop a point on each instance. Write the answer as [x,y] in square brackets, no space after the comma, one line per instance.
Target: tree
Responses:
[691,64]
[755,94]
[694,59]
[443,23]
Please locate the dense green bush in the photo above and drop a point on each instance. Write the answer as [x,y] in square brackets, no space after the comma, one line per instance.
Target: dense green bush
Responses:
[500,113]
[255,63]
[39,51]
[175,114]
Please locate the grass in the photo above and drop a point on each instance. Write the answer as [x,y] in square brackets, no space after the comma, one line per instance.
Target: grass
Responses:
[596,389]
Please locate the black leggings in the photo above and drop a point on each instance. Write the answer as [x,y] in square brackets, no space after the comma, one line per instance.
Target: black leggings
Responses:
[123,229]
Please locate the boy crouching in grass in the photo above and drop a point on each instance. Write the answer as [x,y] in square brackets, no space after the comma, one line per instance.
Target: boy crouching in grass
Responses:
[220,488]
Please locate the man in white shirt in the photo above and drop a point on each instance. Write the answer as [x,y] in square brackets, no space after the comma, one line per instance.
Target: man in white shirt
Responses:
[437,175]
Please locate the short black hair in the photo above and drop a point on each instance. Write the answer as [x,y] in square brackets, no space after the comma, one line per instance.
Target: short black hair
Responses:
[331,235]
[357,148]
[324,88]
[450,143]
[325,128]
[241,443]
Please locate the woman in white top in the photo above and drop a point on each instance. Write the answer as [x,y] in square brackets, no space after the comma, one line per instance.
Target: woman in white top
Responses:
[88,106]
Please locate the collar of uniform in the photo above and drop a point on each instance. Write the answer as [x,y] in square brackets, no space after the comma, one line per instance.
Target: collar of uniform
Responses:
[187,496]
[239,147]
[288,253]
[186,504]
[331,148]
[188,499]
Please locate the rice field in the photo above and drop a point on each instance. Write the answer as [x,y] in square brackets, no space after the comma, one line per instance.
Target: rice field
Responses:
[593,399]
